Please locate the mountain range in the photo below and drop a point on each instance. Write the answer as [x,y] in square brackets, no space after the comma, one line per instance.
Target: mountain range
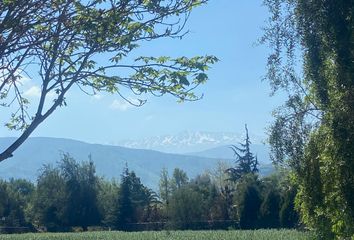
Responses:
[188,141]
[109,160]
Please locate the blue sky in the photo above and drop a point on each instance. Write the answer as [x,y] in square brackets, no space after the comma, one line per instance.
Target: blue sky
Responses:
[234,95]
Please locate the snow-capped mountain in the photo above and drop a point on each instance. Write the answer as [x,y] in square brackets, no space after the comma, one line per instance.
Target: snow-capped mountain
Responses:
[188,141]
[109,160]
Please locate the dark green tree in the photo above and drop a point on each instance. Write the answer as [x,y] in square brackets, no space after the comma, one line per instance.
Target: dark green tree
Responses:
[288,216]
[246,163]
[271,190]
[313,132]
[126,214]
[226,202]
[81,190]
[185,208]
[203,185]
[134,201]
[108,195]
[12,208]
[248,201]
[50,199]
[270,208]
[23,192]
[152,207]
[66,196]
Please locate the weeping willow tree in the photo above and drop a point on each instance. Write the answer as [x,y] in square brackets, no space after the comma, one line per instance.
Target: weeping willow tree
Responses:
[313,133]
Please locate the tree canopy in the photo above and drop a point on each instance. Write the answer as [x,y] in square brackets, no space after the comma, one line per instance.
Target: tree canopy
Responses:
[313,62]
[61,44]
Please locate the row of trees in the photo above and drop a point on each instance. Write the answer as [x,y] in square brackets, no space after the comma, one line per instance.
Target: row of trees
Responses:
[248,204]
[72,195]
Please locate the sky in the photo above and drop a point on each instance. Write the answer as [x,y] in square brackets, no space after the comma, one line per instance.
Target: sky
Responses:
[235,94]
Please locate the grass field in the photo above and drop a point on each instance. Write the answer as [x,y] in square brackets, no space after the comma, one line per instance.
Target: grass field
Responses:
[166,235]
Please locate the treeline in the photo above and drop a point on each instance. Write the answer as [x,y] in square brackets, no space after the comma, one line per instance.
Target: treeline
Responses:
[71,196]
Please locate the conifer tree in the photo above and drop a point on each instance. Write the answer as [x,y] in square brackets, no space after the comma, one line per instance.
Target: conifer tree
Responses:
[246,162]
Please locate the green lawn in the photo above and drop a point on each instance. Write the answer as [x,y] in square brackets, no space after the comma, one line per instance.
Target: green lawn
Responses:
[178,235]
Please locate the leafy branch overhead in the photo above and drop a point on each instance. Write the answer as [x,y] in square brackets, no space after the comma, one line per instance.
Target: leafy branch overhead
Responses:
[60,44]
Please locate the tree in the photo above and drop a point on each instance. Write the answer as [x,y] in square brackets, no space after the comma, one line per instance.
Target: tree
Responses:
[125,212]
[107,201]
[164,186]
[22,192]
[179,178]
[246,163]
[226,189]
[185,208]
[288,216]
[270,207]
[134,201]
[62,44]
[67,195]
[248,202]
[313,132]
[50,199]
[81,190]
[12,208]
[203,185]
[152,207]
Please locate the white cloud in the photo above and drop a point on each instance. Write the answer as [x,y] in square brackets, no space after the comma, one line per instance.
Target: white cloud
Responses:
[120,105]
[23,79]
[97,96]
[34,91]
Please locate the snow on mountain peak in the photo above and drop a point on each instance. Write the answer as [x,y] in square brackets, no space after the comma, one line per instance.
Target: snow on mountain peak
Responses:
[187,141]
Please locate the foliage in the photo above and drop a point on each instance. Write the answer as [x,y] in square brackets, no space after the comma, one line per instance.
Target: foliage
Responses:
[70,197]
[288,216]
[12,202]
[164,186]
[66,196]
[81,188]
[270,208]
[220,178]
[313,132]
[107,200]
[185,208]
[179,179]
[203,185]
[248,202]
[126,214]
[246,163]
[61,43]
[50,198]
[134,201]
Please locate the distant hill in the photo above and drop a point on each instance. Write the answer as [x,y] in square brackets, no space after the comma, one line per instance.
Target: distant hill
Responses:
[109,160]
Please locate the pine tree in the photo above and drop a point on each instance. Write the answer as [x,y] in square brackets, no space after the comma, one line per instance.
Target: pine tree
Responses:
[126,211]
[246,162]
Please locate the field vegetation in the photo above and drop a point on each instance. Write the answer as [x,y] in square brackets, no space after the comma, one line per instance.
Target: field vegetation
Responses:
[175,235]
